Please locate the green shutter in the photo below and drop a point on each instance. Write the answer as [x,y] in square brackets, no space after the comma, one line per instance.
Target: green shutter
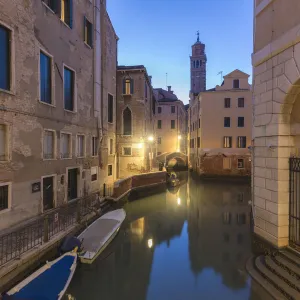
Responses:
[71,13]
[131,86]
[124,86]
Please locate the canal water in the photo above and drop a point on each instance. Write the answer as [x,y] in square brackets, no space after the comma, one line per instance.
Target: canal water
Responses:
[191,242]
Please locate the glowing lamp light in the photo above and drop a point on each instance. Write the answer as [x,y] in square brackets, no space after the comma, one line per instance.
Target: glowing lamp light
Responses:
[150,243]
[140,146]
[150,138]
[179,137]
[178,150]
[178,201]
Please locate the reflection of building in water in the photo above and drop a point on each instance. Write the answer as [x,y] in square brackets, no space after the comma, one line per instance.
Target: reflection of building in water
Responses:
[218,226]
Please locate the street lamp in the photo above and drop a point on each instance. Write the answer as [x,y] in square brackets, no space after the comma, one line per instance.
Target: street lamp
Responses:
[150,139]
[179,137]
[150,243]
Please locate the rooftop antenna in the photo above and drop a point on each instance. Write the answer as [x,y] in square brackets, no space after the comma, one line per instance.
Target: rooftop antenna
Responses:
[221,72]
[167,80]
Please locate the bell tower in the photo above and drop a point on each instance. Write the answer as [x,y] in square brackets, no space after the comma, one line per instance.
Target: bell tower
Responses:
[198,67]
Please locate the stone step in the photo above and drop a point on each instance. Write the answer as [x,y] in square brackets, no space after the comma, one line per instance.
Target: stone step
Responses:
[294,258]
[285,288]
[282,273]
[260,279]
[286,263]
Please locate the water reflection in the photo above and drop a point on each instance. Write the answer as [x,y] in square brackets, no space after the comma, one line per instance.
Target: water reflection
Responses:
[191,243]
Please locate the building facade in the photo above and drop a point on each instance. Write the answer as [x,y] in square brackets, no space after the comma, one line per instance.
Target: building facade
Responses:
[220,128]
[276,130]
[135,114]
[198,67]
[54,127]
[170,122]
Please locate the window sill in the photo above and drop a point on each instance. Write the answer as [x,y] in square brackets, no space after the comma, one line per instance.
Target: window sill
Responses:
[49,8]
[87,45]
[112,123]
[47,159]
[126,94]
[70,111]
[48,104]
[65,24]
[94,156]
[7,92]
[65,158]
[80,156]
[4,211]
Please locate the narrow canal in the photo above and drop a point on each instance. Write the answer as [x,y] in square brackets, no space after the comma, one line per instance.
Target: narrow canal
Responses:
[188,243]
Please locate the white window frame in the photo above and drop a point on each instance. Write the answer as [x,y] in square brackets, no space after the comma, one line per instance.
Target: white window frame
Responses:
[12,90]
[54,144]
[97,172]
[54,191]
[70,146]
[123,152]
[92,150]
[9,202]
[84,145]
[241,168]
[53,102]
[45,4]
[75,88]
[112,170]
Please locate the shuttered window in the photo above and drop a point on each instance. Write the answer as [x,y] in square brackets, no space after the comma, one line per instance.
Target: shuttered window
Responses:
[110,109]
[69,78]
[65,145]
[45,78]
[88,32]
[3,143]
[80,145]
[5,67]
[67,12]
[49,143]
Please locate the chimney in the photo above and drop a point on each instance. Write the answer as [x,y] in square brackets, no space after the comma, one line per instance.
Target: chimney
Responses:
[169,88]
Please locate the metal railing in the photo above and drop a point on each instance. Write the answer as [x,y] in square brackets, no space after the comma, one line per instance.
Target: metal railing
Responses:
[34,233]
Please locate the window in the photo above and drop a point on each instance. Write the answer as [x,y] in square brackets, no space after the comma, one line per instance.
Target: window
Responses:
[94,173]
[240,163]
[159,140]
[241,102]
[197,64]
[127,151]
[127,86]
[241,218]
[241,142]
[226,163]
[5,48]
[173,109]
[110,106]
[192,143]
[159,109]
[172,124]
[158,153]
[65,145]
[51,4]
[226,121]
[227,218]
[199,124]
[4,196]
[146,90]
[109,170]
[45,78]
[67,12]
[94,146]
[236,84]
[3,143]
[240,198]
[159,124]
[88,32]
[80,145]
[193,126]
[240,238]
[198,142]
[227,102]
[69,77]
[227,143]
[111,146]
[49,144]
[127,128]
[240,121]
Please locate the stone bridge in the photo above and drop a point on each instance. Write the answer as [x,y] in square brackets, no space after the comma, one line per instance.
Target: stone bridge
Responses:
[173,158]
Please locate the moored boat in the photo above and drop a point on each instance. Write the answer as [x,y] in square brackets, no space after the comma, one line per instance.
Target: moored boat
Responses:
[99,234]
[49,282]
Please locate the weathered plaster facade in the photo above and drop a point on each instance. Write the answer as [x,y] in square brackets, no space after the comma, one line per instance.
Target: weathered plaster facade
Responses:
[35,28]
[208,153]
[139,101]
[170,109]
[276,78]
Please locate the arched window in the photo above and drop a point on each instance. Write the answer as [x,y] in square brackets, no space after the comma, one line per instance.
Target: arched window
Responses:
[194,63]
[200,63]
[197,64]
[127,120]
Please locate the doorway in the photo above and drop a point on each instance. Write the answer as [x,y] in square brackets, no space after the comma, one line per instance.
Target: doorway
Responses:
[48,193]
[72,184]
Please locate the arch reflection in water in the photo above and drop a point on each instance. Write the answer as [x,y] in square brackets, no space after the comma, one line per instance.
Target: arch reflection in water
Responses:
[195,250]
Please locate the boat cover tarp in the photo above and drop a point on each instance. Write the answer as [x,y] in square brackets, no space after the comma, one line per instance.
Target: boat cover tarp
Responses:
[48,284]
